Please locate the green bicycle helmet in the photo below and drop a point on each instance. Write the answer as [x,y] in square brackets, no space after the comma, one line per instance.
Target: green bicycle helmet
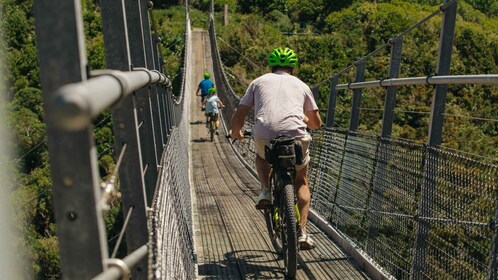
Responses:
[211,90]
[206,75]
[282,57]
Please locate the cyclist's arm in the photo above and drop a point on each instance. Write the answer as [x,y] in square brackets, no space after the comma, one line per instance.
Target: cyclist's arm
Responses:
[197,92]
[238,118]
[312,119]
[220,104]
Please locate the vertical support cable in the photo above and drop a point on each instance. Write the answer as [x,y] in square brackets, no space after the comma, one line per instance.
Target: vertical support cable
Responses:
[73,159]
[125,125]
[418,269]
[354,121]
[332,101]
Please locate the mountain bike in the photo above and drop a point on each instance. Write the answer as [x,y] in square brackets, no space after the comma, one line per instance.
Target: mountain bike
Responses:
[282,215]
[212,127]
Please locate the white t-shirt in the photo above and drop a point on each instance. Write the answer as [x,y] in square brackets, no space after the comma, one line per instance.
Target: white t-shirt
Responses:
[212,104]
[279,100]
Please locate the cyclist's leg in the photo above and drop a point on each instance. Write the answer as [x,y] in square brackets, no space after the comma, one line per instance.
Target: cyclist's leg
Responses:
[203,97]
[263,169]
[216,120]
[303,195]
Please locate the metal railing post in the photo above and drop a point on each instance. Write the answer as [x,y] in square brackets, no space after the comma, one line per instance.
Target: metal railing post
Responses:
[143,98]
[354,121]
[332,101]
[377,195]
[125,125]
[73,159]
[390,99]
[435,138]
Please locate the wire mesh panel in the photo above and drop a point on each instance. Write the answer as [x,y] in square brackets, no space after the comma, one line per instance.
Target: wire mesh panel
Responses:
[393,205]
[172,252]
[460,236]
[352,196]
[327,149]
[172,232]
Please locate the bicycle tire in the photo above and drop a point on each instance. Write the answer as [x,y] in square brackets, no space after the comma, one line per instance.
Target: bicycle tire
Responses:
[211,130]
[271,218]
[289,231]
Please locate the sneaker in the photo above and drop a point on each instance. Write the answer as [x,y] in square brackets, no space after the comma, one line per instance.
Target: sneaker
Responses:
[305,242]
[263,199]
[217,132]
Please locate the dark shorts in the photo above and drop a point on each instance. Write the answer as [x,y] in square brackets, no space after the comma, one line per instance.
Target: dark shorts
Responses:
[203,97]
[213,116]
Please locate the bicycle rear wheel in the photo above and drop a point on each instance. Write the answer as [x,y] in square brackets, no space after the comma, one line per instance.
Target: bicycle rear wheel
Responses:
[289,231]
[272,218]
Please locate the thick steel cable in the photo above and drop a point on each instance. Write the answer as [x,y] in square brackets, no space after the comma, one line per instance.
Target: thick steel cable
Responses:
[470,117]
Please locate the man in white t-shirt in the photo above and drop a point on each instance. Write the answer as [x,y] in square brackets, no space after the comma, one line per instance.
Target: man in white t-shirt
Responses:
[282,104]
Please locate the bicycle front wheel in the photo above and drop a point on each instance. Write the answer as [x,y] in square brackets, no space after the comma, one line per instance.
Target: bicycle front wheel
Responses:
[289,231]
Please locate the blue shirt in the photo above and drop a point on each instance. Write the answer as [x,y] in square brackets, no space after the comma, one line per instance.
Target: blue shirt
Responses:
[212,104]
[205,85]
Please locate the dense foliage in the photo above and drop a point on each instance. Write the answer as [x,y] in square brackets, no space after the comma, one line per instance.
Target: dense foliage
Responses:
[328,36]
[341,32]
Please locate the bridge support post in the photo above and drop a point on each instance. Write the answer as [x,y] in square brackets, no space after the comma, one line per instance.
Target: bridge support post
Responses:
[378,186]
[150,63]
[354,121]
[418,269]
[126,131]
[332,101]
[161,91]
[76,190]
[139,39]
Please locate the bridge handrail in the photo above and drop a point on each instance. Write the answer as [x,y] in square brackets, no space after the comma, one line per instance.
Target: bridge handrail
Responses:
[427,80]
[120,269]
[77,104]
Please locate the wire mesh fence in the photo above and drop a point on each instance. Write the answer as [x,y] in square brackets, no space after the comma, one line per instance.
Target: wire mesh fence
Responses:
[172,252]
[371,188]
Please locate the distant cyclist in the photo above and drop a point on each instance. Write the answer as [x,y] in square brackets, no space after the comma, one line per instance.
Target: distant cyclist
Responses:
[283,104]
[213,104]
[203,87]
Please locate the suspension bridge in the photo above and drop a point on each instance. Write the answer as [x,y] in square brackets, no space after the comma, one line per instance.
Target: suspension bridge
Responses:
[382,208]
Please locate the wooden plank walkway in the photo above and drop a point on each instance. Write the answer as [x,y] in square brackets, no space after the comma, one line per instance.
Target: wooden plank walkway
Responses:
[231,237]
